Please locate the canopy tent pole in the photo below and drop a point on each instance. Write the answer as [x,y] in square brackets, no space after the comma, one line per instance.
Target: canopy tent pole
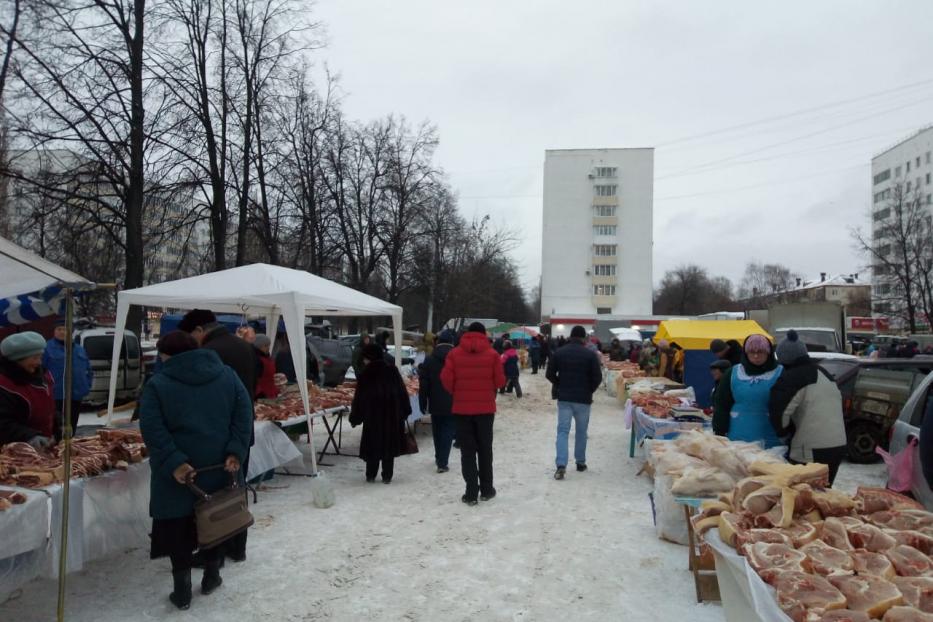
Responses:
[295,329]
[123,308]
[397,328]
[67,433]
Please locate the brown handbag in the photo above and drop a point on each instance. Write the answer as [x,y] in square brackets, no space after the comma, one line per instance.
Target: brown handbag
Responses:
[221,515]
[409,443]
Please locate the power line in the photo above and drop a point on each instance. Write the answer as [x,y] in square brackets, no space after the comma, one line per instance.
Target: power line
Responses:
[795,113]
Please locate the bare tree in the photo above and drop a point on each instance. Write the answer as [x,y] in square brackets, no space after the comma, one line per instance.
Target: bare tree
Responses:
[689,290]
[901,254]
[765,282]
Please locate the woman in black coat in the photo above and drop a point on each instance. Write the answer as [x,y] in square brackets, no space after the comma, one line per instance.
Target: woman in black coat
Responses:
[382,405]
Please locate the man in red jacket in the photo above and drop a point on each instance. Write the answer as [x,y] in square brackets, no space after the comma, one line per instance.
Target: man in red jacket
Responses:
[472,373]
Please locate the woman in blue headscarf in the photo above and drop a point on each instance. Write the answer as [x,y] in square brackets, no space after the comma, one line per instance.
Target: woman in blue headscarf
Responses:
[741,408]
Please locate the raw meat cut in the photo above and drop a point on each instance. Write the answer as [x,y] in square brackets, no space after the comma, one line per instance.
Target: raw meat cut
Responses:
[800,532]
[845,615]
[799,594]
[835,535]
[833,503]
[920,541]
[762,500]
[770,559]
[826,560]
[901,520]
[730,525]
[877,564]
[872,500]
[865,536]
[751,536]
[868,593]
[906,614]
[909,562]
[917,591]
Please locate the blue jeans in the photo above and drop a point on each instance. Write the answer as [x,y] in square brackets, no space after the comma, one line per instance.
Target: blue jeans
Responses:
[567,411]
[444,429]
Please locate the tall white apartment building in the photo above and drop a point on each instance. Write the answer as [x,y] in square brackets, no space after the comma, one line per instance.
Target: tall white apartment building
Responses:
[908,164]
[597,241]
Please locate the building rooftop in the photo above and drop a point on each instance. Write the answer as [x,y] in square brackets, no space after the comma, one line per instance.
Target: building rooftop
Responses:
[904,140]
[600,149]
[839,280]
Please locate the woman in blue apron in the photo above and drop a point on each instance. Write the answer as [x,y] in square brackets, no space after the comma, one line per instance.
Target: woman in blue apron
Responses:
[741,408]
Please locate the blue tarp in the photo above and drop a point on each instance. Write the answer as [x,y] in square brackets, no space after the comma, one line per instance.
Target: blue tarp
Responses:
[697,374]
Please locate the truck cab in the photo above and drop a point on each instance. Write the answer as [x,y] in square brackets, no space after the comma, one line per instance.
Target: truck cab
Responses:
[98,343]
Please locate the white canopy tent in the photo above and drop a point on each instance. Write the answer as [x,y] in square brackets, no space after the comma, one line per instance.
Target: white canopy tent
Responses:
[626,334]
[260,289]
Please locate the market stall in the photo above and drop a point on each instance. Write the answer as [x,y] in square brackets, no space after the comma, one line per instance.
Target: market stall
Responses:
[658,408]
[694,336]
[264,290]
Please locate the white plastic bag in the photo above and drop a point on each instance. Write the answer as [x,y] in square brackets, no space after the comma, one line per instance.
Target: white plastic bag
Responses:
[322,491]
[670,522]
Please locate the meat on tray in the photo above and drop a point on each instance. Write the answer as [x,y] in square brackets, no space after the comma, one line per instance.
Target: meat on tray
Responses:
[917,591]
[22,465]
[656,406]
[867,593]
[906,614]
[800,594]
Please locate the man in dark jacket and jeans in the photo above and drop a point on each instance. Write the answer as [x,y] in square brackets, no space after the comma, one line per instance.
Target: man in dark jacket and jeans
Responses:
[576,373]
[242,358]
[436,401]
[472,373]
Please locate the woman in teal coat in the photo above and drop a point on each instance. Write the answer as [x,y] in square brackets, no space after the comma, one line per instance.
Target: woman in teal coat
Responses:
[194,413]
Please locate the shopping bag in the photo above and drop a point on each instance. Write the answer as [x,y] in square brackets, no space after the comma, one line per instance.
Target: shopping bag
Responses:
[900,466]
[409,443]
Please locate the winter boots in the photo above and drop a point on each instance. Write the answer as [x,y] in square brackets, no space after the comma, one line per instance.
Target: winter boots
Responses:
[181,595]
[211,579]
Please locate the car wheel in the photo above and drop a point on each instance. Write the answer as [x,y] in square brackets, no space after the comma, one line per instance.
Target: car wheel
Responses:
[863,437]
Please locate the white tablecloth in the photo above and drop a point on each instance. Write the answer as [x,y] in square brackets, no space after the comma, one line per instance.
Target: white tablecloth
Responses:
[745,597]
[28,521]
[272,449]
[107,513]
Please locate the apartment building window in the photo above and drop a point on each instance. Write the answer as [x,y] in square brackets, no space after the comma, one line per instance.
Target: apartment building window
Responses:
[604,290]
[602,270]
[929,196]
[908,166]
[603,310]
[928,179]
[918,161]
[908,186]
[605,190]
[606,171]
[882,214]
[928,157]
[604,250]
[604,229]
[884,175]
[880,270]
[884,290]
[604,210]
[897,171]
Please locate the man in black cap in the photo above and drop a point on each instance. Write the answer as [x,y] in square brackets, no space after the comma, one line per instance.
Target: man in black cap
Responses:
[727,350]
[719,370]
[575,372]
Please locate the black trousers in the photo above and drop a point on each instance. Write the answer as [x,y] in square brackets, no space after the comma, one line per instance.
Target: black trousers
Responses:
[513,384]
[474,433]
[388,468]
[182,560]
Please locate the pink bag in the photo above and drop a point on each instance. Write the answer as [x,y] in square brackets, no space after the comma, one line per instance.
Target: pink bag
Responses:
[900,466]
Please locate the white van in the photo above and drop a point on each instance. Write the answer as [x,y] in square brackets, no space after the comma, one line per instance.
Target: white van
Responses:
[98,342]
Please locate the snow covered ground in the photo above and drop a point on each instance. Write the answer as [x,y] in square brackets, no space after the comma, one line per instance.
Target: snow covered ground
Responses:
[581,549]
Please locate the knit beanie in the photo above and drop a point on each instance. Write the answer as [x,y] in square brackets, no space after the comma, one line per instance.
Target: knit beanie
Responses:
[578,332]
[477,327]
[791,348]
[757,342]
[19,346]
[446,336]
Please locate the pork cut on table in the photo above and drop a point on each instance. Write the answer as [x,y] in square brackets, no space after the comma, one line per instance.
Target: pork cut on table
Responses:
[877,564]
[748,537]
[868,593]
[901,520]
[800,532]
[844,615]
[770,559]
[803,596]
[916,539]
[909,562]
[906,614]
[917,591]
[826,560]
[865,536]
[835,535]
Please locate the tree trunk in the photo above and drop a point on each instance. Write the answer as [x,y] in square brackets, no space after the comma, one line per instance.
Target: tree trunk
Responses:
[135,255]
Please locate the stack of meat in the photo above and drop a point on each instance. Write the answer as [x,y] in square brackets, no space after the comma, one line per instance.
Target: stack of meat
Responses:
[626,368]
[829,556]
[22,465]
[701,464]
[655,405]
[288,404]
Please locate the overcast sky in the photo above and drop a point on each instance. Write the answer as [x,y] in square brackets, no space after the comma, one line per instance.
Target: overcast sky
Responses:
[504,81]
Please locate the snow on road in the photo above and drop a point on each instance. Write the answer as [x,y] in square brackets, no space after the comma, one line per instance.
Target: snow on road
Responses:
[581,549]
